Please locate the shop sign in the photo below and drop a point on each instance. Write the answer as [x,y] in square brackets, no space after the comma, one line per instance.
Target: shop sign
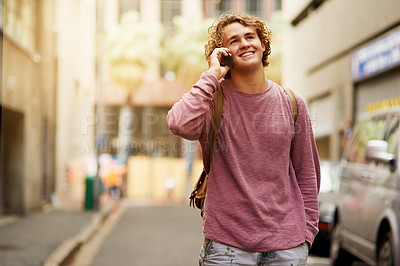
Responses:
[379,105]
[377,56]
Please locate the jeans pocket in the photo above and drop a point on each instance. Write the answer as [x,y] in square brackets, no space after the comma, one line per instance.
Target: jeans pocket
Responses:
[306,247]
[206,249]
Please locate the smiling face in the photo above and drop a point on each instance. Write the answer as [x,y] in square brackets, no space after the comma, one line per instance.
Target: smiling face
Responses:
[244,44]
[216,32]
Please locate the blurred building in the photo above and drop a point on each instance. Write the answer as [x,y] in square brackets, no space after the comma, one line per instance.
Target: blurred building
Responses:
[47,101]
[149,105]
[28,96]
[158,93]
[260,8]
[76,36]
[342,56]
[58,102]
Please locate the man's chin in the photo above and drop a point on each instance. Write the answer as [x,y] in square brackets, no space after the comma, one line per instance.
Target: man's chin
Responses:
[248,66]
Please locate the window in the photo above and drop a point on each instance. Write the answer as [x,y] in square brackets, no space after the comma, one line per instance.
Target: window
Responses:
[311,7]
[170,9]
[254,7]
[278,4]
[128,5]
[19,21]
[365,131]
[221,6]
[1,14]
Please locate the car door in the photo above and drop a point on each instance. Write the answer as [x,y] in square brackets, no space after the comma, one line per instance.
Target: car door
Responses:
[381,190]
[356,180]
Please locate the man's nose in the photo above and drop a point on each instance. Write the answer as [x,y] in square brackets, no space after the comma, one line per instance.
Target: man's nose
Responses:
[244,43]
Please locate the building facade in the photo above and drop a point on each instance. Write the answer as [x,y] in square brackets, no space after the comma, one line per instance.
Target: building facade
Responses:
[260,8]
[76,55]
[56,93]
[342,56]
[149,105]
[27,105]
[154,96]
[47,101]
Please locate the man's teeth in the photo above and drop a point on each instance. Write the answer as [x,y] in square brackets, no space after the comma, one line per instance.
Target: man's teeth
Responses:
[247,54]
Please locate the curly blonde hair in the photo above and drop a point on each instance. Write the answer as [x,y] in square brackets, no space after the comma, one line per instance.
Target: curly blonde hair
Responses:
[215,34]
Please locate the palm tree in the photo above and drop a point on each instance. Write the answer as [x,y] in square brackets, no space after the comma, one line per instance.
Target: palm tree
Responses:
[131,49]
[131,46]
[183,53]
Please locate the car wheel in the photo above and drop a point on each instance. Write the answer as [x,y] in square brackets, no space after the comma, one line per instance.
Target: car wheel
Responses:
[385,255]
[338,255]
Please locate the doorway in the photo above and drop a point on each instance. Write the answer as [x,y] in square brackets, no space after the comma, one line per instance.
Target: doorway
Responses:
[11,162]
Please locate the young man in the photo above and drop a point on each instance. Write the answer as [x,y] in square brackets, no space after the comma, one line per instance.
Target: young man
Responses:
[261,206]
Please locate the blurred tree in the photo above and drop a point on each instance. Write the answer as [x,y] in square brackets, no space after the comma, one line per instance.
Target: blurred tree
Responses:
[274,69]
[130,47]
[183,53]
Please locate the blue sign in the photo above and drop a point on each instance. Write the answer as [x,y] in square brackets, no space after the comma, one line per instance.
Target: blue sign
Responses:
[377,56]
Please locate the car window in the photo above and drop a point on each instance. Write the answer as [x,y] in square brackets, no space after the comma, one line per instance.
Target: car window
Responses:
[392,134]
[329,176]
[365,131]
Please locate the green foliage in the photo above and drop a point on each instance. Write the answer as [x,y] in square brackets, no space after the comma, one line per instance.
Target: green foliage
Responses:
[130,47]
[274,69]
[133,46]
[183,53]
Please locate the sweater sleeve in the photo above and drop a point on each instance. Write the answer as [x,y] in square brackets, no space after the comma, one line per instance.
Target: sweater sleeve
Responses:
[192,115]
[305,161]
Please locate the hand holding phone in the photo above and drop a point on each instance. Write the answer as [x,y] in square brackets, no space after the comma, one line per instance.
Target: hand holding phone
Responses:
[227,60]
[218,62]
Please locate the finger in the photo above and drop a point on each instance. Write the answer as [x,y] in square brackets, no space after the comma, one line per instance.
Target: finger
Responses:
[225,51]
[220,51]
[225,69]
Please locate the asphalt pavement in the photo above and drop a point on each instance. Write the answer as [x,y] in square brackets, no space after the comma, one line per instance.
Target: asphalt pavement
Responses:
[147,235]
[121,233]
[168,235]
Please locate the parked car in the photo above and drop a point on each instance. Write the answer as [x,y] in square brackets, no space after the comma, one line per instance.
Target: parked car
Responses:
[367,217]
[326,203]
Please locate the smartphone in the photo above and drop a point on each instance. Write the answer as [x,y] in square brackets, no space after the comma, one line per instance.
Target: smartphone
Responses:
[227,60]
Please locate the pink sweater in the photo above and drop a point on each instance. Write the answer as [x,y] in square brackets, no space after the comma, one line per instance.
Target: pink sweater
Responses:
[264,178]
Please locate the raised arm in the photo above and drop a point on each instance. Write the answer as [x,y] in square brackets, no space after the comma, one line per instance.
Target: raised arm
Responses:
[192,115]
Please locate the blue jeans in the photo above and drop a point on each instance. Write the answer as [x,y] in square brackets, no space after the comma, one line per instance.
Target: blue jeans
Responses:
[213,253]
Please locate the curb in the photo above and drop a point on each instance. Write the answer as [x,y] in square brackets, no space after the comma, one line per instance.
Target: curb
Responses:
[69,246]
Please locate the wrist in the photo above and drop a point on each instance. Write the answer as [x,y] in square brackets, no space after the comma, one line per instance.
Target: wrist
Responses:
[214,73]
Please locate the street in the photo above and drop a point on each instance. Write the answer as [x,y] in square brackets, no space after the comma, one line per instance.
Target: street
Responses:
[109,109]
[146,234]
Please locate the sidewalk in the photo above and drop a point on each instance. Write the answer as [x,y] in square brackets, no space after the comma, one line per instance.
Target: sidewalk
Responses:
[48,238]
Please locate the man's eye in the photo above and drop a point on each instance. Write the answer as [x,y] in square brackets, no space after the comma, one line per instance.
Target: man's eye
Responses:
[233,41]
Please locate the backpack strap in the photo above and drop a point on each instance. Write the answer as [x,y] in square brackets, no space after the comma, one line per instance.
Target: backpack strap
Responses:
[215,125]
[197,198]
[293,103]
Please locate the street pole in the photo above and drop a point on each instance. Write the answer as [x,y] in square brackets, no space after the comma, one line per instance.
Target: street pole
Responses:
[100,138]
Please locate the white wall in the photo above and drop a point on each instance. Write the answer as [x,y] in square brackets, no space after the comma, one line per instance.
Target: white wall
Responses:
[317,51]
[75,29]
